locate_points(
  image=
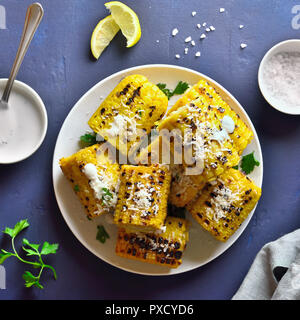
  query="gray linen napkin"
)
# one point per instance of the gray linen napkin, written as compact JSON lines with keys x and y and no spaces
{"x":275,"y":272}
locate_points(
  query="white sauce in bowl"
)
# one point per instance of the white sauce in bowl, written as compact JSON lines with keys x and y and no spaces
{"x":23,"y":125}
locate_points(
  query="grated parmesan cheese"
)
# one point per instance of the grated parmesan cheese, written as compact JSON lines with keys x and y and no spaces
{"x":122,"y":125}
{"x":222,"y":200}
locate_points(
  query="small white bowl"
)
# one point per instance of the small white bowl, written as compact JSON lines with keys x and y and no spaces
{"x":292,"y":45}
{"x":29,"y":109}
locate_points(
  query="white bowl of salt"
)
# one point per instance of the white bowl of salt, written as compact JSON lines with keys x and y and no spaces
{"x":279,"y":76}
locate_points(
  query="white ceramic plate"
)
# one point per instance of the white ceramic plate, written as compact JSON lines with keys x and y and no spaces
{"x":202,"y":247}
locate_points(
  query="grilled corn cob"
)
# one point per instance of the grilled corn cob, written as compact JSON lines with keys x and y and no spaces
{"x":163,"y":249}
{"x":129,"y":112}
{"x":224,"y":204}
{"x":142,"y":199}
{"x":241,"y":136}
{"x":205,"y":147}
{"x":94,"y":179}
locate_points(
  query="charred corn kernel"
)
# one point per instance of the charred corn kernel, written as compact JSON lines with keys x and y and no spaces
{"x":205,"y":148}
{"x":99,"y":196}
{"x":224,"y":204}
{"x":142,"y":199}
{"x":129,"y":112}
{"x":164,"y":249}
{"x":183,"y":190}
{"x":241,"y":136}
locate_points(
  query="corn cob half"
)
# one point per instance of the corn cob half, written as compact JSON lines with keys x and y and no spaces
{"x":225,"y":203}
{"x":241,"y":136}
{"x":205,"y":147}
{"x":129,"y":112}
{"x":164,"y":249}
{"x":142,"y":199}
{"x":94,"y":179}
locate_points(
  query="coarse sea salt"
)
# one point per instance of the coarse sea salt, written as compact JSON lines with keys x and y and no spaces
{"x":174,"y":32}
{"x":282,"y":78}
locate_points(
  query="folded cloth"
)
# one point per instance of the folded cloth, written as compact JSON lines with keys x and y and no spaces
{"x":275,"y":272}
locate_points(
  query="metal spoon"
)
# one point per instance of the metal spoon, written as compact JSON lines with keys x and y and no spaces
{"x":33,"y":18}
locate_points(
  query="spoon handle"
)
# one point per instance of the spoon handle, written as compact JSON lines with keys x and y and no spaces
{"x":33,"y":18}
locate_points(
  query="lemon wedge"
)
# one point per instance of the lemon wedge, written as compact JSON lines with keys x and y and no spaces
{"x":127,"y":20}
{"x":102,"y":35}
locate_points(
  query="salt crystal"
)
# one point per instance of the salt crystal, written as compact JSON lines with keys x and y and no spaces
{"x":198,"y":25}
{"x":203,"y":36}
{"x":174,"y":32}
{"x":194,"y":13}
{"x":222,"y":9}
{"x":177,"y":56}
{"x":241,"y":26}
{"x":243,"y":45}
{"x":188,"y":39}
{"x":204,"y":24}
{"x":186,"y":50}
{"x":193,"y":43}
{"x":212,"y":28}
{"x":198,"y":54}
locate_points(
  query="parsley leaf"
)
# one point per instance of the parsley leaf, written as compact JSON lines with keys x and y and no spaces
{"x":76,"y":188}
{"x":4,"y":255}
{"x":49,"y":248}
{"x":102,"y":235}
{"x":31,"y":280}
{"x":21,"y":225}
{"x":180,"y":89}
{"x":107,"y":195}
{"x":31,"y":249}
{"x":107,"y":192}
{"x":163,"y":88}
{"x":236,"y":167}
{"x":248,"y":163}
{"x":88,"y":139}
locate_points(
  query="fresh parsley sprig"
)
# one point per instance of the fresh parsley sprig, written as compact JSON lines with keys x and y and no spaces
{"x":88,"y":139}
{"x":31,"y":249}
{"x":102,"y":235}
{"x":248,"y":163}
{"x":180,"y":89}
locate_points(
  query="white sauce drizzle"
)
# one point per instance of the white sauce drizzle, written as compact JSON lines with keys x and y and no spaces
{"x":100,"y":185}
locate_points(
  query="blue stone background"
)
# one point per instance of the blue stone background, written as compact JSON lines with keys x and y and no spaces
{"x":60,"y":68}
